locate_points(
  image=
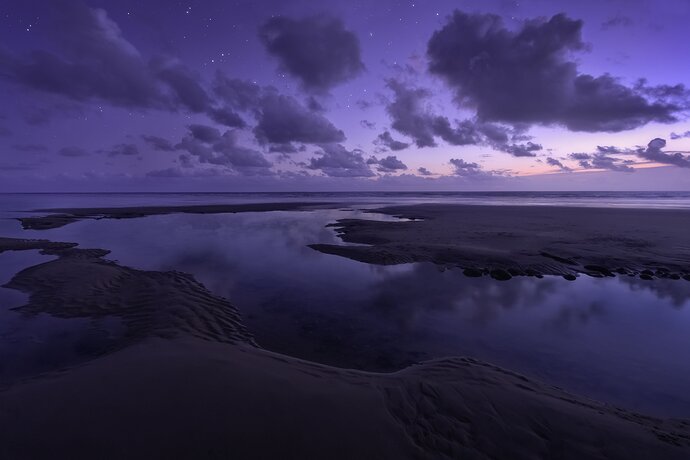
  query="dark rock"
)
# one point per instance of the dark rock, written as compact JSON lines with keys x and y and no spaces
{"x":500,"y":274}
{"x":598,"y":268}
{"x":645,"y":276}
{"x":472,"y":272}
{"x":570,"y":277}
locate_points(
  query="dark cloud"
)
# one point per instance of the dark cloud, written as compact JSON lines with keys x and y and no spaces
{"x":227,"y":117}
{"x":522,"y":150}
{"x":93,"y":61}
{"x":465,"y":169}
{"x":96,"y":62}
{"x":239,"y":94}
{"x":243,"y":159}
{"x":604,"y":157}
{"x":387,"y":140}
{"x":209,"y":146}
{"x":468,"y":170}
{"x":336,"y":161}
{"x":601,"y":160}
{"x":123,"y":150}
{"x":553,"y":162}
{"x":158,"y":143}
{"x":675,"y":136}
{"x":499,"y":135}
{"x":464,"y":132}
{"x":314,"y":105}
{"x":388,"y":164}
{"x":527,"y":76}
{"x":197,"y":148}
{"x":408,"y":114}
{"x":204,"y":133}
{"x":30,"y":148}
{"x":580,"y":156}
{"x":316,"y":50}
{"x":367,"y":124}
{"x":603,"y":104}
{"x":185,"y":160}
{"x":654,"y":153}
{"x":411,"y":116}
{"x":282,"y":119}
{"x":673,"y":94}
{"x":184,"y":85}
{"x":612,"y":150}
{"x":424,"y":172}
{"x":72,"y":152}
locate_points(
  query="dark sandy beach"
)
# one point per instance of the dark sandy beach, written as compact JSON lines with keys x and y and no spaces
{"x":505,"y":241}
{"x":187,"y":380}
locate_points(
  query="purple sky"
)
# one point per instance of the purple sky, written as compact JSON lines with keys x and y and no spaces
{"x":329,"y":95}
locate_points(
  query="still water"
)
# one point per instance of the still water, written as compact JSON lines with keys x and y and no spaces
{"x":622,"y":340}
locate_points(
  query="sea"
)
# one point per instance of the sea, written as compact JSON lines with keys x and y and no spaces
{"x":623,"y":341}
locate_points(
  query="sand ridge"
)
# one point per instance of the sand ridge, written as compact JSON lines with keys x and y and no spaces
{"x":80,"y":283}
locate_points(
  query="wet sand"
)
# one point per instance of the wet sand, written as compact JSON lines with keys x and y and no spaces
{"x":506,"y":241}
{"x":60,"y":217}
{"x":18,"y":244}
{"x":187,"y":380}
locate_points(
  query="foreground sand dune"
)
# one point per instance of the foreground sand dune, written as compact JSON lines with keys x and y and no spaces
{"x":188,"y":381}
{"x":190,"y":398}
